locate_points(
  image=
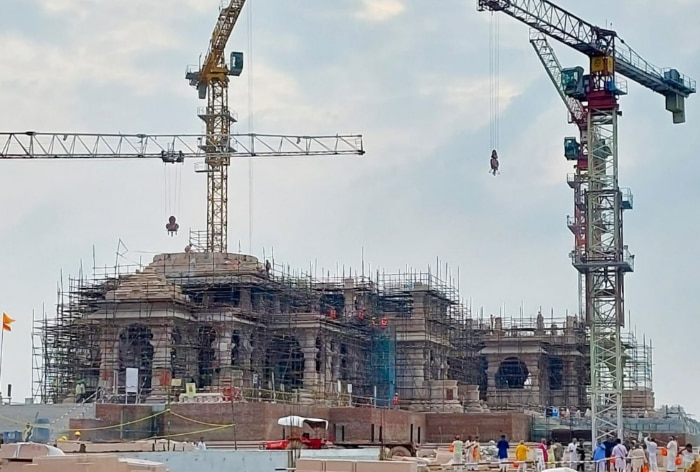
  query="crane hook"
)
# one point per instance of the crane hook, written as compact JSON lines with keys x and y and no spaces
{"x":172,"y":226}
{"x":494,"y":163}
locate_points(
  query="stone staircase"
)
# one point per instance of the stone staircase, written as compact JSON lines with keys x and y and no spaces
{"x":16,"y":417}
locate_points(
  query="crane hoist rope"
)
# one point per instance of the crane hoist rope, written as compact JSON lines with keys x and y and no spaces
{"x":251,"y":111}
{"x":494,"y":91}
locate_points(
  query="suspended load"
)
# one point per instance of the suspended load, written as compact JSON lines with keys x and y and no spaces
{"x":494,"y":162}
{"x":172,"y":226}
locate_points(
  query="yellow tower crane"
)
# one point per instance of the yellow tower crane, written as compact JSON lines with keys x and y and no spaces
{"x":216,"y":146}
{"x":211,"y":81}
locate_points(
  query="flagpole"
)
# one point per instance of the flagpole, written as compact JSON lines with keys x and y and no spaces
{"x":2,"y":349}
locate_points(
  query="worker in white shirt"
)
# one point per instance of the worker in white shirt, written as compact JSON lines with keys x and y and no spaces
{"x":637,"y":458}
{"x":571,"y":453}
{"x":652,"y":448}
{"x":672,"y":448}
{"x":688,"y":456}
{"x":457,"y":453}
{"x":619,"y":455}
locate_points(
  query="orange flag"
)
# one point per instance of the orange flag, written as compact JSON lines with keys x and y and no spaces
{"x":6,"y":322}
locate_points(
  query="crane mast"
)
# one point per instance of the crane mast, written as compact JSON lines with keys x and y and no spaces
{"x":211,"y":81}
{"x":600,"y":255}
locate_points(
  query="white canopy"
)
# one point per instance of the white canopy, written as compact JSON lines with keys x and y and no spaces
{"x":299,"y":422}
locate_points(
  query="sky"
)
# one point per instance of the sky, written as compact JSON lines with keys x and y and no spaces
{"x":413,"y":77}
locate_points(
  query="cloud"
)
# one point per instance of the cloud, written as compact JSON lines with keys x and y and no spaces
{"x":381,"y":10}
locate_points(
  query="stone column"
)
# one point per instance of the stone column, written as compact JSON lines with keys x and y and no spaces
{"x":223,"y":345}
{"x":242,"y":370}
{"x":246,"y":304}
{"x":161,"y":372}
{"x":494,"y":363}
{"x":335,"y":365}
{"x":570,"y":380}
{"x":328,"y":379}
{"x":109,"y":360}
{"x":308,"y":348}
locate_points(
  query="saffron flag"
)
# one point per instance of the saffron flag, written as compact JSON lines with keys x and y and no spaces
{"x":6,"y":322}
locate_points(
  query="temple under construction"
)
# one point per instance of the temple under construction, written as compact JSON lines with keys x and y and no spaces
{"x":232,"y":323}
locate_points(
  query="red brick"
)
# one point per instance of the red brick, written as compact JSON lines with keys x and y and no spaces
{"x":443,"y":427}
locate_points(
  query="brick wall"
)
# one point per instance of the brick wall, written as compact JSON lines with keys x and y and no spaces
{"x":443,"y":427}
{"x":255,"y":422}
{"x":362,"y":425}
{"x":258,"y":422}
{"x":135,"y":420}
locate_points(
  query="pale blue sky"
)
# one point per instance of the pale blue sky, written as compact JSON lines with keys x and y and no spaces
{"x":414,"y":78}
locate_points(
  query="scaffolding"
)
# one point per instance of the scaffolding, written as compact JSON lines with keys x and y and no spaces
{"x":533,"y":362}
{"x":256,"y":330}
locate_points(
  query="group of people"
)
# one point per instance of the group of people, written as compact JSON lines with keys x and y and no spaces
{"x":466,"y":452}
{"x":611,"y":455}
{"x":640,"y":456}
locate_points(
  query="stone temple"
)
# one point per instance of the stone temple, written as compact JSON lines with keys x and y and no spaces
{"x":234,"y":323}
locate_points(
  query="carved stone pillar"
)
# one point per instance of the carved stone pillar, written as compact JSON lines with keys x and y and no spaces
{"x":223,"y":346}
{"x":109,"y":362}
{"x":308,"y":348}
{"x":493,"y":365}
{"x":161,"y":372}
{"x":328,"y":379}
{"x":246,"y":302}
{"x":243,"y":362}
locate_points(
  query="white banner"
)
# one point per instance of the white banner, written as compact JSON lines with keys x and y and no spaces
{"x":132,"y":380}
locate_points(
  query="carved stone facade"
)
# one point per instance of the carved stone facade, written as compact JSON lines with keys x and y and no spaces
{"x":227,"y":322}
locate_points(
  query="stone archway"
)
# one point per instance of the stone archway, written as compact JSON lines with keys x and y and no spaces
{"x":136,"y":351}
{"x":285,"y":360}
{"x":512,"y":373}
{"x":206,"y":355}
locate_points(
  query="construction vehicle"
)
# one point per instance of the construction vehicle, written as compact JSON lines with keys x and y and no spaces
{"x":296,"y":438}
{"x":600,"y":255}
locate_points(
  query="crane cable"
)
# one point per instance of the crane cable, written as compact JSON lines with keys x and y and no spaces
{"x":250,"y":125}
{"x":172,"y":183}
{"x":494,"y":79}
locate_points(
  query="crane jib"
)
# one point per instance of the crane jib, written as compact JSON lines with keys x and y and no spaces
{"x":591,"y":40}
{"x":170,"y":148}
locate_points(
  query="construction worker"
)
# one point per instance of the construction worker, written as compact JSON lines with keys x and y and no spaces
{"x":494,"y":162}
{"x":27,"y":434}
{"x":77,"y":435}
{"x":80,"y":391}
